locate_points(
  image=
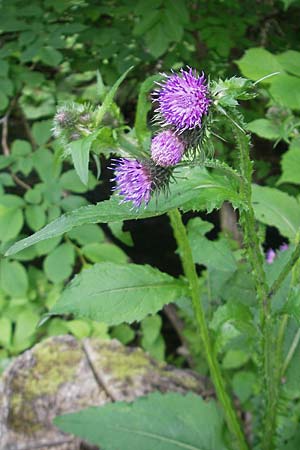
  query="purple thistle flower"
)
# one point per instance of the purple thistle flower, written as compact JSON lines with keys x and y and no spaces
{"x":167,"y":149}
{"x":183,"y":100}
{"x":133,"y":181}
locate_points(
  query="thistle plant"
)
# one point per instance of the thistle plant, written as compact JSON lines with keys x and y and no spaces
{"x":189,"y":109}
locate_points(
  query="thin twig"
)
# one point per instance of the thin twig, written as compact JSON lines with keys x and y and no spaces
{"x":98,"y":377}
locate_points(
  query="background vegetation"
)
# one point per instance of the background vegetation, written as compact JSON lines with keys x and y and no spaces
{"x":57,"y":51}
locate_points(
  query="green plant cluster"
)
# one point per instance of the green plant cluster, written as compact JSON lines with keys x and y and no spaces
{"x":78,"y":53}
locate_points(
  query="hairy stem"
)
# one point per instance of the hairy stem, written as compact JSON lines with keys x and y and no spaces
{"x":191,"y":274}
{"x":270,"y":381}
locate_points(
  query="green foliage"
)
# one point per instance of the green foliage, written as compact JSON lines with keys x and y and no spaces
{"x":290,"y":164}
{"x":277,"y":208}
{"x":76,"y":55}
{"x":183,"y":422}
{"x":118,"y":293}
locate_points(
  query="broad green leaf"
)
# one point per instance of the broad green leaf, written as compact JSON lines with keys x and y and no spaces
{"x":159,"y":421}
{"x":80,"y":152}
{"x":21,"y":148}
{"x":26,"y":324}
{"x":152,"y":340}
{"x":243,"y":384}
{"x":196,"y":189}
{"x":151,"y":327}
{"x":256,"y":63}
{"x":290,"y":164}
{"x":41,"y":131}
{"x":109,"y":98}
{"x":285,"y":89}
{"x":50,"y":56}
{"x":235,"y":359}
{"x":71,"y":182}
{"x":113,"y":293}
{"x":277,"y":209}
{"x":156,"y":40}
{"x":79,"y":328}
{"x":58,"y":265}
{"x":35,"y":216}
{"x":123,"y":332}
{"x":290,"y":61}
{"x":5,"y":331}
{"x":264,"y":128}
{"x":11,"y":222}
{"x":13,"y":276}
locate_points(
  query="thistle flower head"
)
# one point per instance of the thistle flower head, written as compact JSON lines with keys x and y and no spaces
{"x":183,"y":100}
{"x":167,"y":149}
{"x":137,"y":180}
{"x":69,"y":121}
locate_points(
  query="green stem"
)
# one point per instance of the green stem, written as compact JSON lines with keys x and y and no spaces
{"x":270,"y":385}
{"x":191,"y":274}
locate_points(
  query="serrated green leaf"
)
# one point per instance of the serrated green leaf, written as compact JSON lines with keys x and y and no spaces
{"x":165,"y":422}
{"x":114,"y":293}
{"x":277,"y":209}
{"x":196,"y":189}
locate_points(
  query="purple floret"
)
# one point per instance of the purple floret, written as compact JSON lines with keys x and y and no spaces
{"x":133,"y":181}
{"x":270,"y":256}
{"x":183,"y":100}
{"x":167,"y":149}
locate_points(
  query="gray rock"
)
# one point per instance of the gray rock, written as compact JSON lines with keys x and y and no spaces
{"x":62,"y":375}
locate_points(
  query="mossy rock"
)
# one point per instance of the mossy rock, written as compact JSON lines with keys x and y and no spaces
{"x":62,"y":375}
